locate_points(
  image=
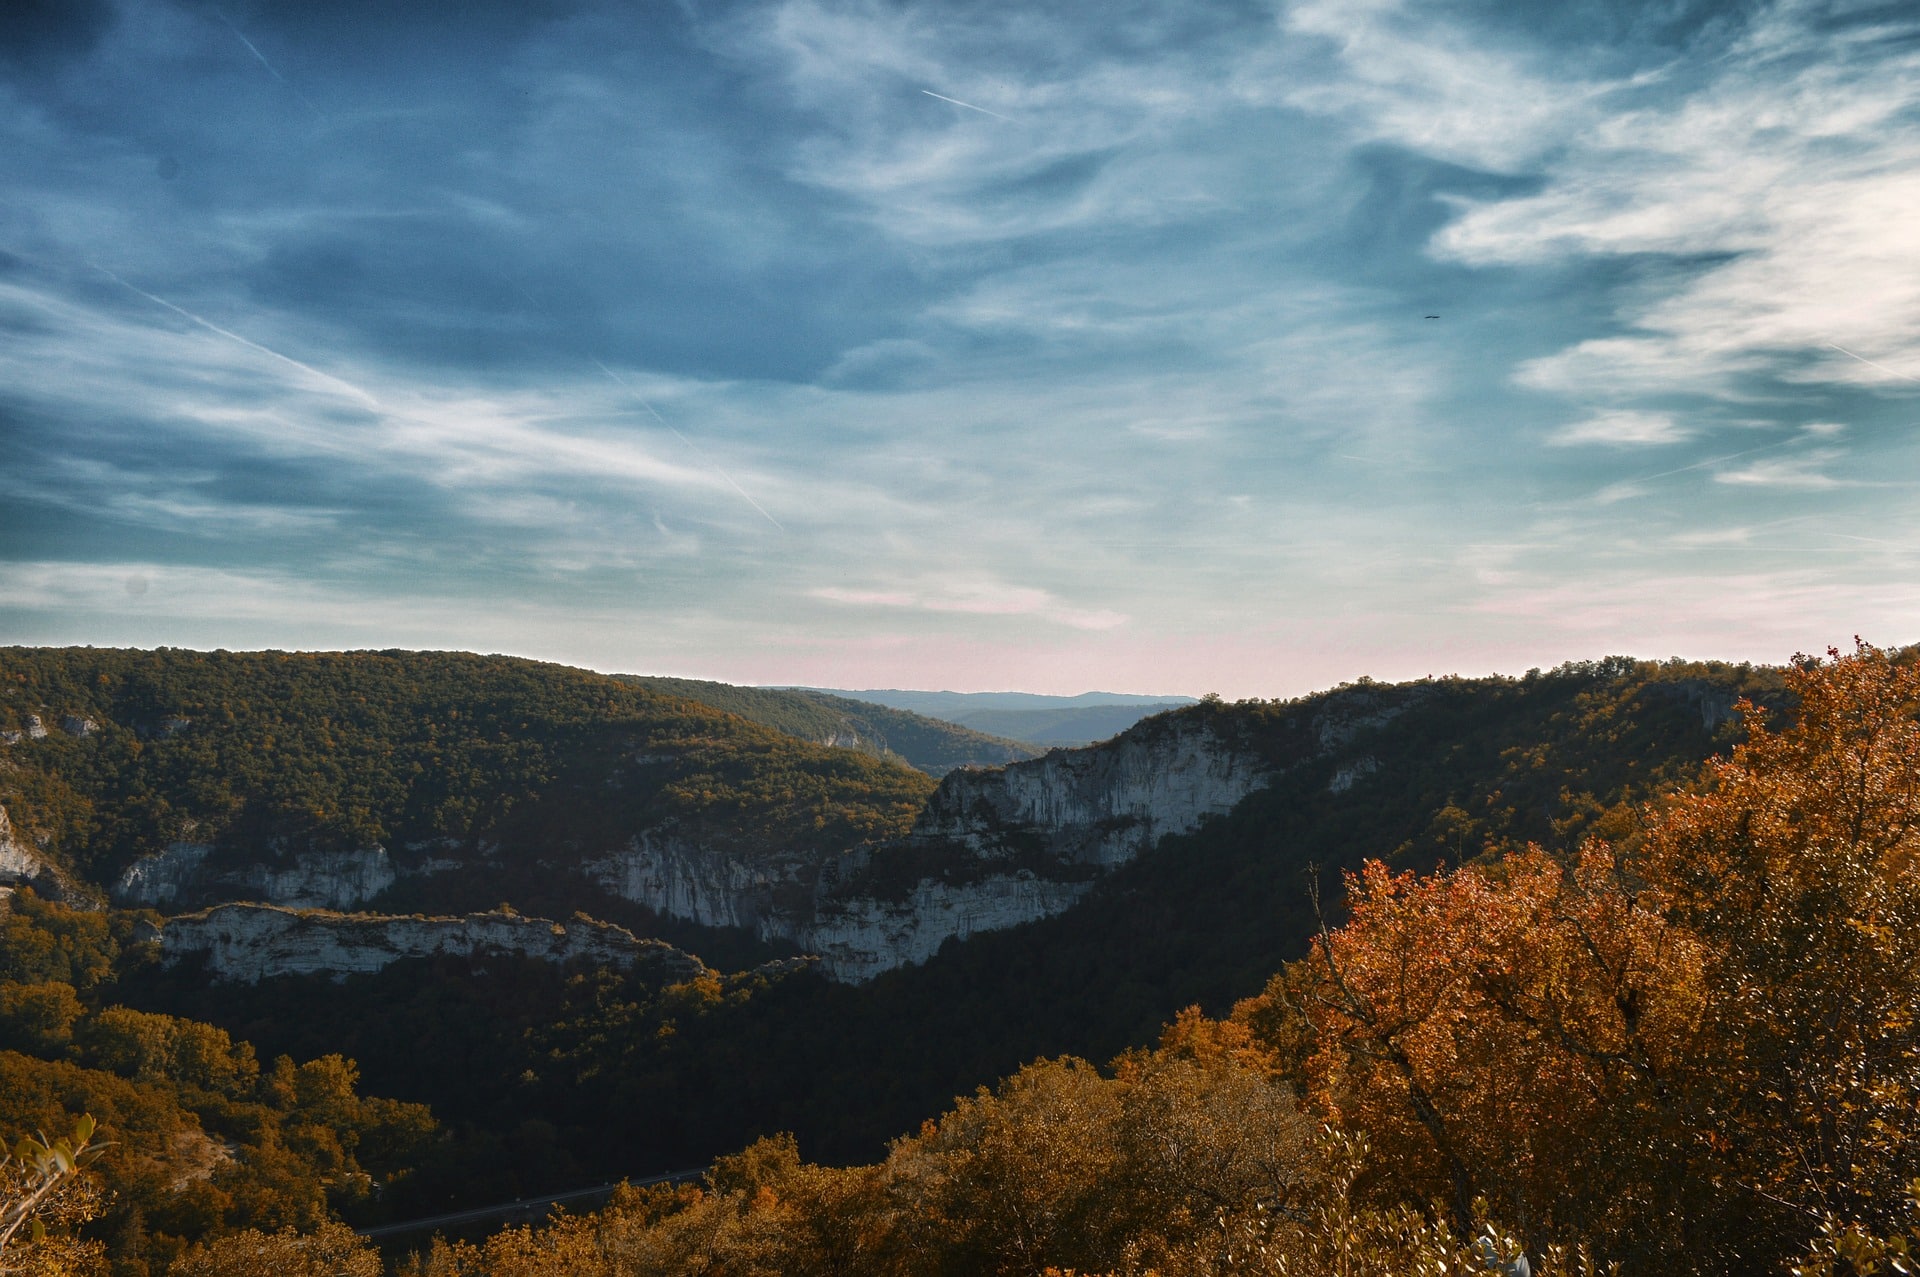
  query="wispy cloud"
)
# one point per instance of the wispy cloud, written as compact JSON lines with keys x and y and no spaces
{"x":1132,"y":378}
{"x":1622,"y":428}
{"x":1784,"y":172}
{"x":1806,"y":473}
{"x":1416,"y":79}
{"x":978,"y":598}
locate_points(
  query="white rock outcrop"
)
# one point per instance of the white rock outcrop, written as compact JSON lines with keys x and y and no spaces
{"x":247,"y":943}
{"x":1350,"y":774}
{"x":993,"y":849}
{"x":680,"y":879}
{"x":1103,"y":805}
{"x":859,"y":937}
{"x":18,"y":862}
{"x":24,"y":865}
{"x":185,"y":871}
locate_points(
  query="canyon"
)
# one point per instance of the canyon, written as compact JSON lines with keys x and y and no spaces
{"x":993,"y":848}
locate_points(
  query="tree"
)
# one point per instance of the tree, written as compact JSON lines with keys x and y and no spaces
{"x":330,"y":1250}
{"x":1690,"y":1049}
{"x":1798,"y":866}
{"x":43,"y":1184}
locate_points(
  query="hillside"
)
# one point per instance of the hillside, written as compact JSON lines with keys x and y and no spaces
{"x":1419,"y":774}
{"x":933,"y":746}
{"x":339,"y":776}
{"x":1686,"y":1048}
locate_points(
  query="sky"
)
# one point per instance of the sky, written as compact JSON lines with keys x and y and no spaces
{"x":1165,"y":347}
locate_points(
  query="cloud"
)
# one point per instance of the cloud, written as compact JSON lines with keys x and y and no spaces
{"x":1803,"y":473}
{"x":1621,"y":428}
{"x":1779,"y":183}
{"x":1430,"y":84}
{"x":978,"y":598}
{"x":1096,"y":122}
{"x":1134,"y":379}
{"x":1737,"y":615}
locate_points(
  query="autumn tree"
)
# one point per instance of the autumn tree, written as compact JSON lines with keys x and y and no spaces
{"x":45,"y":1194}
{"x":1690,"y":1049}
{"x":331,"y":1249}
{"x":1798,"y":867}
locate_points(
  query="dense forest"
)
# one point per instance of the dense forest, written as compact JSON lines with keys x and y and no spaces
{"x":119,"y":753}
{"x":1476,"y":764}
{"x":1578,"y":995}
{"x":205,"y":1138}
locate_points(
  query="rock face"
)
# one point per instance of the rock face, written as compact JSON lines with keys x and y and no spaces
{"x":1100,"y":806}
{"x":858,"y":936}
{"x":23,"y":865}
{"x":184,"y":873}
{"x":993,"y":849}
{"x":1352,"y":773}
{"x":248,"y":943}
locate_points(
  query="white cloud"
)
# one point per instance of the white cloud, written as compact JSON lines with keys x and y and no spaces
{"x":1790,"y":174}
{"x":1622,"y":428}
{"x":977,"y":597}
{"x":97,"y":360}
{"x":1803,"y":473}
{"x":1089,"y":139}
{"x":1415,"y":80}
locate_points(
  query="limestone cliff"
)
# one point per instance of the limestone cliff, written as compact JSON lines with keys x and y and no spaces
{"x":23,"y":865}
{"x":1099,"y":806}
{"x":859,"y":935}
{"x":186,"y":873}
{"x":993,"y":849}
{"x":247,"y":943}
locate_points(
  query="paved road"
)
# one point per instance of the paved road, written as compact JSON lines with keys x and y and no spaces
{"x":529,"y":1205}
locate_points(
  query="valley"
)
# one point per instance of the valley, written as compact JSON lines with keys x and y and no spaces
{"x":951,"y":930}
{"x":515,"y":928}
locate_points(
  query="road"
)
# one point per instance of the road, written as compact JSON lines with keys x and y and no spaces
{"x":529,"y":1205}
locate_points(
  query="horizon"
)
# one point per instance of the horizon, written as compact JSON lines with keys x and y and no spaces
{"x":1248,"y":348}
{"x":1360,"y":678}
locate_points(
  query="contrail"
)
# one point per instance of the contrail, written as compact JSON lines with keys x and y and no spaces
{"x":970,"y":106}
{"x":268,"y":65}
{"x":691,"y":445}
{"x":1863,"y":359}
{"x":212,"y":327}
{"x":1714,"y":461}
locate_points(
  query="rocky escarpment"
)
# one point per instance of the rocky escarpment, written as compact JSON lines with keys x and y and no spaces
{"x":22,"y":865}
{"x":246,"y":943}
{"x":188,"y":873}
{"x":1101,"y":806}
{"x":992,"y":849}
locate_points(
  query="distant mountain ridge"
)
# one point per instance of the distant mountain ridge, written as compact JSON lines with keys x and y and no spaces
{"x":1032,"y":717}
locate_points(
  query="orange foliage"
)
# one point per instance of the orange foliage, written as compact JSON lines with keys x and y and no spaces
{"x":1693,"y":1048}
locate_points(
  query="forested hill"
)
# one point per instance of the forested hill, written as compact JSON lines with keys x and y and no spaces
{"x":589,"y":1073}
{"x":111,"y":755}
{"x":1421,"y":774}
{"x":930,"y":744}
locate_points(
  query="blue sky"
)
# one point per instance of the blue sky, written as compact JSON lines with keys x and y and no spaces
{"x":964,"y":345}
